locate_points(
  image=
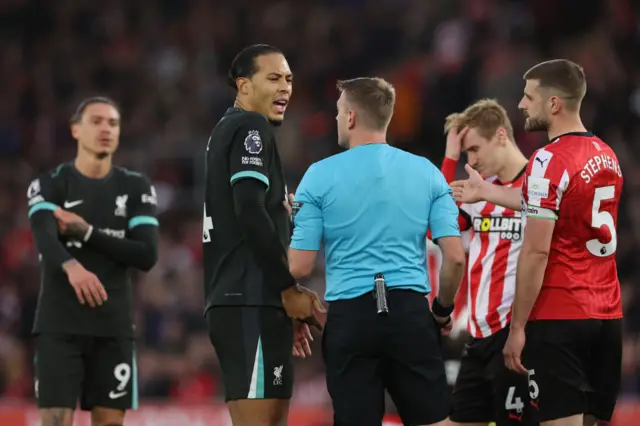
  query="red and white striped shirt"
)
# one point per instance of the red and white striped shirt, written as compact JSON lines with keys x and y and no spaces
{"x":496,"y":239}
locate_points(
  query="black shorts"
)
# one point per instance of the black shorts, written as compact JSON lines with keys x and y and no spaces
{"x":254,"y":346}
{"x":97,"y":371}
{"x":575,"y":367}
{"x":485,"y":390}
{"x":365,"y":353}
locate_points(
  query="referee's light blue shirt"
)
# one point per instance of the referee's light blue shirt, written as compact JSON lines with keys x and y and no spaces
{"x":371,"y":206}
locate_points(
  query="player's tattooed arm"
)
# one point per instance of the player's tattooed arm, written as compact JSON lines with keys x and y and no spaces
{"x":72,"y":225}
{"x":140,"y":251}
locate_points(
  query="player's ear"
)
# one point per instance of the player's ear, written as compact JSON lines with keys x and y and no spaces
{"x":555,"y":103}
{"x":351,"y":119}
{"x":75,"y":130}
{"x":244,"y":85}
{"x":502,"y":136}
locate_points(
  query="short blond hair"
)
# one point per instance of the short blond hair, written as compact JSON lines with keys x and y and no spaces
{"x":486,"y":116}
{"x":374,"y":96}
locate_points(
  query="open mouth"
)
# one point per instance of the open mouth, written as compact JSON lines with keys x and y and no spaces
{"x":281,"y":105}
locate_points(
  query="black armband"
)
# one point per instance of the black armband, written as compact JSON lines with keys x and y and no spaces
{"x":440,"y":310}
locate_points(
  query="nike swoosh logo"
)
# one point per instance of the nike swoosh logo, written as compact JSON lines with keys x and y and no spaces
{"x":69,"y":204}
{"x":114,"y":395}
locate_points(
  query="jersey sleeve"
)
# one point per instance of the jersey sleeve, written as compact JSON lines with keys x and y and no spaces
{"x":251,"y":149}
{"x":41,"y":195}
{"x":144,"y":203}
{"x":443,"y":211}
{"x":448,"y":170}
{"x":43,"y":201}
{"x":307,"y":213}
{"x":545,"y":181}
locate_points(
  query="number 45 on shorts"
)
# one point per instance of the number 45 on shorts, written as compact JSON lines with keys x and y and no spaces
{"x":514,"y":403}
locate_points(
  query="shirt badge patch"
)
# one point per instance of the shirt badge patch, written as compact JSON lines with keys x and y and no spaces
{"x":253,"y":143}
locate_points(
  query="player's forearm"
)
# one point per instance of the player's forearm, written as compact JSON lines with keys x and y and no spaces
{"x":510,"y":198}
{"x":259,"y":231}
{"x":448,"y":169}
{"x":140,"y":251}
{"x":450,"y":278}
{"x":529,"y":277}
{"x":452,"y":269}
{"x":45,"y":235}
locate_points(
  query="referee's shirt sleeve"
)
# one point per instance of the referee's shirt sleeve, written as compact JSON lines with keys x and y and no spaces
{"x":443,"y":211}
{"x":251,"y":149}
{"x":307,"y":213}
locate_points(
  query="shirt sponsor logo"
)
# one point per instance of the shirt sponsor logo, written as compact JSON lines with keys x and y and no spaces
{"x":509,"y":228}
{"x":117,"y":233}
{"x":150,"y":198}
{"x":253,"y":143}
{"x":252,"y":161}
{"x":537,"y":187}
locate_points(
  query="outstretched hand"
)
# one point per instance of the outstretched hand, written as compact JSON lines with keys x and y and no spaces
{"x":469,"y":190}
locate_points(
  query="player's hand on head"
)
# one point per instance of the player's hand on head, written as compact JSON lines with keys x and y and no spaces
{"x":302,"y":339}
{"x":303,"y":305}
{"x":454,"y":143}
{"x":469,"y":190}
{"x":512,"y":351}
{"x":86,"y":285}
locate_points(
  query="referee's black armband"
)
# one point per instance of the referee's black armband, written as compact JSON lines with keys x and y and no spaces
{"x":45,"y":236}
{"x":440,"y":310}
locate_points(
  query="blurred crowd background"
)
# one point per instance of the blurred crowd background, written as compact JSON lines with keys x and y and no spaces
{"x":165,"y":62}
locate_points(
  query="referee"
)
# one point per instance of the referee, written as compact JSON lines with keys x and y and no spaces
{"x":371,"y":206}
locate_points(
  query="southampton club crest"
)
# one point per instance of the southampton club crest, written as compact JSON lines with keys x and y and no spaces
{"x":253,"y":143}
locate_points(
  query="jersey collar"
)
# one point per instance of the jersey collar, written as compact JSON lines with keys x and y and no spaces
{"x":509,"y":182}
{"x":583,"y":134}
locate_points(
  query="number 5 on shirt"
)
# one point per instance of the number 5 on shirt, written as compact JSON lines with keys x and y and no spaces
{"x":603,"y":218}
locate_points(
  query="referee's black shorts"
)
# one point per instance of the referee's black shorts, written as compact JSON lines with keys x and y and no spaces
{"x":254,"y":345}
{"x":365,"y":353}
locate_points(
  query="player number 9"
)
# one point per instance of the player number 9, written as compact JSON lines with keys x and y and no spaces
{"x":122,"y":373}
{"x":600,"y":219}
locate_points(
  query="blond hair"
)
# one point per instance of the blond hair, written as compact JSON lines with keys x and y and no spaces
{"x":486,"y":116}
